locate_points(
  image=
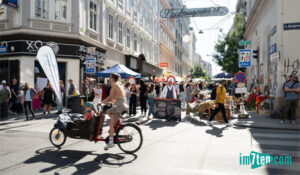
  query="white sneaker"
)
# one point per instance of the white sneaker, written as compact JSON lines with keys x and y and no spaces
{"x":210,"y":123}
{"x":281,"y":121}
{"x":229,"y":124}
{"x":109,"y":145}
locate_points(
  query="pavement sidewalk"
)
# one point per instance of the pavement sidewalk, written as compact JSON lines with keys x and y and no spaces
{"x":256,"y":120}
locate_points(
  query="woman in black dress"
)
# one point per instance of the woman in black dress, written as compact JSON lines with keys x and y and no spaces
{"x":47,"y":98}
{"x":132,"y":102}
{"x":143,"y":97}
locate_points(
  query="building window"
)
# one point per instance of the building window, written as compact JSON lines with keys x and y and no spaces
{"x":60,"y":10}
{"x":128,"y":37}
{"x":110,"y":26}
{"x":120,"y":33}
{"x":41,"y":9}
{"x":135,"y":42}
{"x":141,"y":45}
{"x":120,"y":4}
{"x":134,"y":11}
{"x":128,"y":6}
{"x":93,"y":16}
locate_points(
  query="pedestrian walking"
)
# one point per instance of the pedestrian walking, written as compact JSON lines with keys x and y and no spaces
{"x":4,"y":99}
{"x":98,"y":94}
{"x":71,"y":92}
{"x":291,"y":95}
{"x":47,"y":98}
{"x":27,"y":99}
{"x":36,"y":99}
{"x":14,"y":95}
{"x":151,"y":95}
{"x":190,"y":93}
{"x":132,"y":104}
{"x":220,"y":100}
{"x":158,"y":89}
{"x":182,"y":94}
{"x":143,"y":98}
{"x":127,"y":92}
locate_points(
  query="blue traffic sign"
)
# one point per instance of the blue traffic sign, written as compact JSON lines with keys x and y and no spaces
{"x":3,"y":49}
{"x":90,"y":65}
{"x":245,"y":57}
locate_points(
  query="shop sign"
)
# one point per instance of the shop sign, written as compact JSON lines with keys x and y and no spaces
{"x":291,"y":26}
{"x":3,"y":49}
{"x":193,"y":12}
{"x":244,"y":57}
{"x":275,"y":56}
{"x":90,"y":65}
{"x":164,"y":64}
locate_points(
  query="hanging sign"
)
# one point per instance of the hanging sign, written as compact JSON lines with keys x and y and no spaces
{"x":193,"y":12}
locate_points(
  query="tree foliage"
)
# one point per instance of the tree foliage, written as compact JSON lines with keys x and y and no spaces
{"x":198,"y":72}
{"x":227,"y":47}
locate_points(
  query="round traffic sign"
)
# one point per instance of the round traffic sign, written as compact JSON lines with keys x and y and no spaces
{"x":172,"y":79}
{"x":131,"y":80}
{"x":240,"y":77}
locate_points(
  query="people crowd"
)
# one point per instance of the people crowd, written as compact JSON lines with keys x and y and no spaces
{"x":15,"y":99}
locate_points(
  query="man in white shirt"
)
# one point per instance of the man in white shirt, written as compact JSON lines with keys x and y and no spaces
{"x":169,"y":91}
{"x":1,"y":86}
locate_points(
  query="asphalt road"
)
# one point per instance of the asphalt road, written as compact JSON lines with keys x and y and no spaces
{"x":185,"y":148}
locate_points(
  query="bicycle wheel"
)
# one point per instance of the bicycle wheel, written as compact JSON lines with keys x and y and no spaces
{"x":57,"y":137}
{"x":130,"y":138}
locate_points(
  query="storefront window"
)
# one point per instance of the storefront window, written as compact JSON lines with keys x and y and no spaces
{"x":41,"y":9}
{"x":9,"y":70}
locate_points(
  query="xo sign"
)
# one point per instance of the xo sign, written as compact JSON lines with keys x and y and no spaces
{"x":240,"y":77}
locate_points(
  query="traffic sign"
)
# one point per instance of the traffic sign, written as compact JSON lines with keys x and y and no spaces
{"x":172,"y":79}
{"x":90,"y":65}
{"x":241,"y":85}
{"x":244,"y":57}
{"x":240,"y":77}
{"x":131,"y":80}
{"x":242,"y":43}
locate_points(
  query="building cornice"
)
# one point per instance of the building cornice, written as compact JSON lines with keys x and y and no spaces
{"x":253,"y":18}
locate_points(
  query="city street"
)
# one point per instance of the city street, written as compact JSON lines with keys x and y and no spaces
{"x":188,"y":147}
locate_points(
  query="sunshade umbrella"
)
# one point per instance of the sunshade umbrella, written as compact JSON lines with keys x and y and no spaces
{"x":223,"y":75}
{"x":120,"y":69}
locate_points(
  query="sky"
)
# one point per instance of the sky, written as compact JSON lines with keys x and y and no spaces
{"x":205,"y":42}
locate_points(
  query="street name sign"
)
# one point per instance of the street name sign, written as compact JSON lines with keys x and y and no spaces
{"x":193,"y":12}
{"x":243,"y":43}
{"x":244,"y":57}
{"x":291,"y":26}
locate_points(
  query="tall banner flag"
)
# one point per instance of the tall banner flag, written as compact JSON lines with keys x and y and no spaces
{"x":48,"y":62}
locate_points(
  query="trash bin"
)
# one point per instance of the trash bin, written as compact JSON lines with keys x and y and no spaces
{"x":78,"y":104}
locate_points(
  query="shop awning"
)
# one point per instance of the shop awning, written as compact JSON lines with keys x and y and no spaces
{"x":120,"y":69}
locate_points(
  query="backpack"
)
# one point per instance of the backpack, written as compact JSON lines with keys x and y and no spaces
{"x":213,"y":94}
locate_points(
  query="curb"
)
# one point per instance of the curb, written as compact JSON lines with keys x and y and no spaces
{"x":263,"y":127}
